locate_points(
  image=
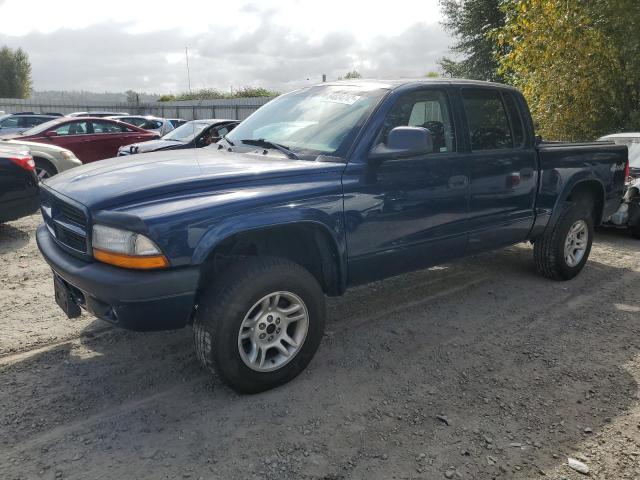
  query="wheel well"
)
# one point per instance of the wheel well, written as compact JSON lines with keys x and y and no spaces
{"x":46,"y":162}
{"x":305,"y":244}
{"x":589,"y":191}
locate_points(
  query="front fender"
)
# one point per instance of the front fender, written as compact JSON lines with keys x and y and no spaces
{"x":331,"y":223}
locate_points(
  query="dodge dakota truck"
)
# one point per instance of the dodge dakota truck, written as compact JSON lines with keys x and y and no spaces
{"x":320,"y":189}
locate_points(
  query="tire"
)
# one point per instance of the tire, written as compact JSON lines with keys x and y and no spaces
{"x":549,"y":249}
{"x":236,"y":299}
{"x":44,"y":169}
{"x":635,"y":231}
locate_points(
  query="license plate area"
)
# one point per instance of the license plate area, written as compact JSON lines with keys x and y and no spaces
{"x":64,"y":298}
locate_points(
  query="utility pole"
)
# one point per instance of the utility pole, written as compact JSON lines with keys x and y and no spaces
{"x":186,"y":54}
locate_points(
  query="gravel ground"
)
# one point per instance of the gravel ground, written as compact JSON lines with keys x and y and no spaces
{"x":477,"y":369}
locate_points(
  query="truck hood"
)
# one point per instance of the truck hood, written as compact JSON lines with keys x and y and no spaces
{"x":123,"y":181}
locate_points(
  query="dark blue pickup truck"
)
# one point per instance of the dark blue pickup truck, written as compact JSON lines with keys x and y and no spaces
{"x":321,"y":189}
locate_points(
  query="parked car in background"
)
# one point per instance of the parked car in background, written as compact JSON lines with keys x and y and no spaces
{"x":89,"y":138}
{"x":99,"y":114}
{"x":18,"y":183}
{"x":49,"y":159}
{"x":245,"y":239}
{"x":18,"y":123}
{"x":161,"y":126}
{"x":628,"y":215}
{"x":176,"y":122}
{"x":193,"y":134}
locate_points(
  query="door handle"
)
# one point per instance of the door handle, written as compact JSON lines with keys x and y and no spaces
{"x":458,"y":181}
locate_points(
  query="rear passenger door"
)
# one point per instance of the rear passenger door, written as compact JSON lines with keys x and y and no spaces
{"x":503,"y":175}
{"x":106,"y":137}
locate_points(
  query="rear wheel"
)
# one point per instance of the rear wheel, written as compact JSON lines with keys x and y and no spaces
{"x":562,"y":252}
{"x":259,"y":325}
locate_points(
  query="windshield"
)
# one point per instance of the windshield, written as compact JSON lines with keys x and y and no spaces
{"x":315,"y":120}
{"x":187,"y":132}
{"x":42,"y":127}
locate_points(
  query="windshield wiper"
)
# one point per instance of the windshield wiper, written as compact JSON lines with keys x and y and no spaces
{"x":224,"y":137}
{"x":261,"y":142}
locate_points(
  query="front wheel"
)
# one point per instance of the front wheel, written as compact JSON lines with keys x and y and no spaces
{"x":44,"y":169}
{"x":562,"y":252}
{"x":259,"y":325}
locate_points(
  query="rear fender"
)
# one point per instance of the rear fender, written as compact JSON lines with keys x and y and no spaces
{"x":579,"y":180}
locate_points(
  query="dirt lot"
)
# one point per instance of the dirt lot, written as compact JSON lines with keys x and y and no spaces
{"x":522,"y":371}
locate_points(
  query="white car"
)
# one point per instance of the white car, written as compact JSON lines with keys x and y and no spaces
{"x":49,"y":159}
{"x":161,"y":126}
{"x":629,"y":212}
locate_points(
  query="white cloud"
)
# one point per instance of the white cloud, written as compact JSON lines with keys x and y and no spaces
{"x":276,"y":44}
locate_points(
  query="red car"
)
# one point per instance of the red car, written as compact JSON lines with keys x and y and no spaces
{"x":90,"y":138}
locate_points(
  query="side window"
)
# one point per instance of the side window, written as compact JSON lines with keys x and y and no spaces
{"x":428,"y":109}
{"x":106,"y":127}
{"x":138,"y":122}
{"x":73,"y":128}
{"x":220,"y":132}
{"x":33,"y":121}
{"x":487,"y":119}
{"x":516,"y":119}
{"x":151,"y":125}
{"x":11,"y":122}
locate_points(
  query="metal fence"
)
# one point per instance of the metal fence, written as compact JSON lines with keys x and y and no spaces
{"x":233,"y":108}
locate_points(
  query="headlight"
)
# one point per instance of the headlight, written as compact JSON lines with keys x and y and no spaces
{"x":68,"y":155}
{"x":126,"y":249}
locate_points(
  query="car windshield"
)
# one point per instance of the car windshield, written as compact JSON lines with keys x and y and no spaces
{"x":187,"y":132}
{"x":315,"y":120}
{"x":42,"y":127}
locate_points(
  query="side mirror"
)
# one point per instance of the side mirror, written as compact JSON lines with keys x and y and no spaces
{"x":51,"y":133}
{"x":404,"y":142}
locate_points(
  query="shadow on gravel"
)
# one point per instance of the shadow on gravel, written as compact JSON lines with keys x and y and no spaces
{"x":11,"y":238}
{"x":517,"y":365}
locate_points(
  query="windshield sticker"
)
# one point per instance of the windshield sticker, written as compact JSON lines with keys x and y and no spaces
{"x":346,"y":98}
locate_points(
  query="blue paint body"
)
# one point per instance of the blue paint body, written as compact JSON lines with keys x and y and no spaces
{"x":383,"y":218}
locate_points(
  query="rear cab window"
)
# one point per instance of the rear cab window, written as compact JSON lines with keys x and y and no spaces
{"x":493,"y":124}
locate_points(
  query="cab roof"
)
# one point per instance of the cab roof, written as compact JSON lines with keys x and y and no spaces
{"x":400,"y":82}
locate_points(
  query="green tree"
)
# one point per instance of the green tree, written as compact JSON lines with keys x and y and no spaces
{"x":352,"y":74}
{"x":576,"y":62}
{"x":15,"y":73}
{"x":213,"y":94}
{"x":471,"y":22}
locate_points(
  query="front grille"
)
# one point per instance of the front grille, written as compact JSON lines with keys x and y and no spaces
{"x":71,"y":239}
{"x":67,"y":223}
{"x":73,"y":214}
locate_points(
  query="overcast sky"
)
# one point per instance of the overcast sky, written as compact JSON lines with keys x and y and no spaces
{"x":279,"y":44}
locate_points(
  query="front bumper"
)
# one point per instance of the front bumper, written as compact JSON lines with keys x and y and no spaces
{"x":136,"y":300}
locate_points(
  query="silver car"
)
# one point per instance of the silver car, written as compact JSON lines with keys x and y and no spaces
{"x":14,"y":123}
{"x":147,"y":122}
{"x":49,"y":159}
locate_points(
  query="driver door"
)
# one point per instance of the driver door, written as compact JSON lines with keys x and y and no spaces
{"x":403,"y":214}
